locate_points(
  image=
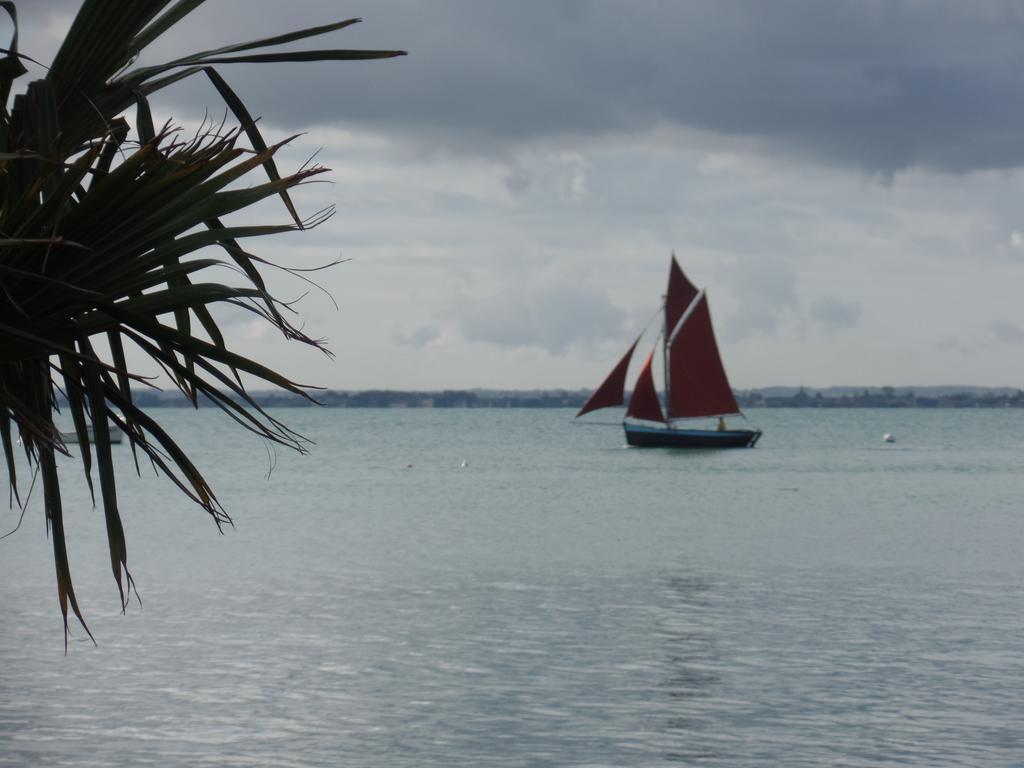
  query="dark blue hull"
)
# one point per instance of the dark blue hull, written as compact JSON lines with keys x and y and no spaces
{"x":663,"y":437}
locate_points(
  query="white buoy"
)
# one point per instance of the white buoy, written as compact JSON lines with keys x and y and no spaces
{"x":888,"y":438}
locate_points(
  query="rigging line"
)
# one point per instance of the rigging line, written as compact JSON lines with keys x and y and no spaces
{"x":657,"y":312}
{"x":650,"y":320}
{"x":744,"y":417}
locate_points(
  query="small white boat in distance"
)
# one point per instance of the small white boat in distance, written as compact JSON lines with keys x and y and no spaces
{"x":116,"y":435}
{"x":888,"y":437}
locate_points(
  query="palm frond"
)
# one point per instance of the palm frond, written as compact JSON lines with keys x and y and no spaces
{"x":109,"y":236}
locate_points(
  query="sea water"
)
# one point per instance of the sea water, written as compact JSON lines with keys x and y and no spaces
{"x":511,"y":588}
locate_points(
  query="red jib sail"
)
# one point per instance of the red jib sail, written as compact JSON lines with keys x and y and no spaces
{"x":699,"y":386}
{"x":644,"y":402}
{"x":613,"y":388}
{"x":680,"y":293}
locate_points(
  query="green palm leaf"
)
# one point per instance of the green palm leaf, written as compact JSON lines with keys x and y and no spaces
{"x":105,"y":235}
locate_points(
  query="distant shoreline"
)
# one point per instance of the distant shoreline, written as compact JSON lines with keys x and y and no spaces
{"x":768,"y":397}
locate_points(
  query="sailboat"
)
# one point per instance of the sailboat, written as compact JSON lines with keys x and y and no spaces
{"x":695,"y":382}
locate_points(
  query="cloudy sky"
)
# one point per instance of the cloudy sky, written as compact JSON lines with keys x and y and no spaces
{"x":844,"y":177}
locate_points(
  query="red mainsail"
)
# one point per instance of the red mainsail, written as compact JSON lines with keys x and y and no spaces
{"x":699,"y":386}
{"x":613,"y":388}
{"x":680,"y":293}
{"x":644,"y":402}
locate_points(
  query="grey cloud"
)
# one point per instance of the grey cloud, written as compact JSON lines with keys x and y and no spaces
{"x":881,"y":86}
{"x":518,"y":181}
{"x":1007,"y":332}
{"x":420,"y":337}
{"x":956,"y":346}
{"x":765,"y":287}
{"x":835,"y":314}
{"x":552,"y":318}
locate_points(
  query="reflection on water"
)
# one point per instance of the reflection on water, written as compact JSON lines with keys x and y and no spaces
{"x":687,"y":633}
{"x":688,"y":638}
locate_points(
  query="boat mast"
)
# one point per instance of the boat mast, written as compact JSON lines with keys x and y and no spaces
{"x":664,"y":351}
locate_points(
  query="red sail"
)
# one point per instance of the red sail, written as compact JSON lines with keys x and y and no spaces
{"x":613,"y":388}
{"x":697,"y":378}
{"x":644,"y":402}
{"x":680,"y":293}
